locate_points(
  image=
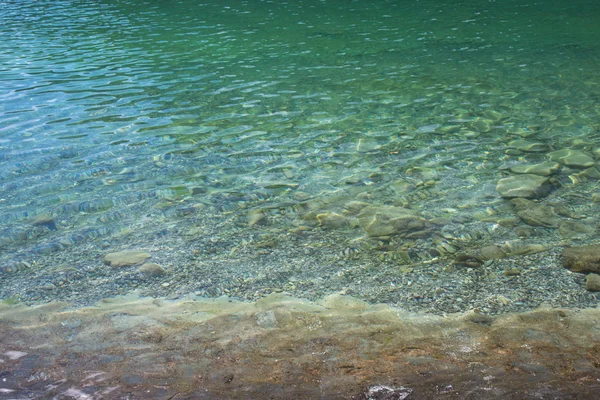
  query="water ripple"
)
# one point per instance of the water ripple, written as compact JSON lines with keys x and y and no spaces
{"x":109,"y":104}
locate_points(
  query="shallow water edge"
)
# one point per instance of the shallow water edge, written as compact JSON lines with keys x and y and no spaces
{"x":282,"y":347}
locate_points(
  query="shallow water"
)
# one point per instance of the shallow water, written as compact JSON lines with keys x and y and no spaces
{"x":242,"y":128}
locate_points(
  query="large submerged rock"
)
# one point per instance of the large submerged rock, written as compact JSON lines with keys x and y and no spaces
{"x":544,"y":169}
{"x":535,"y":214}
{"x":582,"y":259}
{"x":572,"y":158}
{"x":380,"y":221}
{"x":126,"y":258}
{"x":529,"y":186}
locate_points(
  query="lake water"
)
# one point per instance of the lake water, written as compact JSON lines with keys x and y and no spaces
{"x":433,"y":156}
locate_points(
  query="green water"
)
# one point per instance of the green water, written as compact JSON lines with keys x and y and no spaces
{"x":228,"y":139}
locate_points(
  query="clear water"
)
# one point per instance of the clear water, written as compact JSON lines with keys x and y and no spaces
{"x":167,"y":125}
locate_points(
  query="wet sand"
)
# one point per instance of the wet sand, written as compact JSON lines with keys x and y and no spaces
{"x":280,"y":347}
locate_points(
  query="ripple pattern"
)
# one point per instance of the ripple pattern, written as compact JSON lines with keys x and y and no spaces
{"x":109,"y":109}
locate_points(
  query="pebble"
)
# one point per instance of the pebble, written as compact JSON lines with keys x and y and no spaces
{"x":401,"y":186}
{"x":524,"y":231}
{"x":544,"y":169}
{"x":527,"y":146}
{"x":572,"y":158}
{"x":44,"y":220}
{"x":592,"y":283}
{"x":281,"y":185}
{"x":300,"y":196}
{"x":152,"y":269}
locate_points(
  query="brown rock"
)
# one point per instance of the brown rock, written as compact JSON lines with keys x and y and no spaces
{"x":512,"y":272}
{"x":492,"y":252}
{"x":126,"y":258}
{"x":535,"y":214}
{"x":332,"y":220}
{"x":525,"y":231}
{"x":388,"y":220}
{"x":152,"y":269}
{"x":518,"y":248}
{"x":353,"y":207}
{"x":573,"y":229}
{"x":582,"y":259}
{"x":468,"y":260}
{"x":592,"y":283}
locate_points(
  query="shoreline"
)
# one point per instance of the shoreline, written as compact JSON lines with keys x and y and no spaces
{"x":335,"y":348}
{"x":247,"y":271}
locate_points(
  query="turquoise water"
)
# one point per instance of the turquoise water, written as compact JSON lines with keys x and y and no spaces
{"x":214,"y":134}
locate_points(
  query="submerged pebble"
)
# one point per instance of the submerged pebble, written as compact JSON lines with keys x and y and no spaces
{"x":592,"y":283}
{"x":126,"y":258}
{"x":152,"y":269}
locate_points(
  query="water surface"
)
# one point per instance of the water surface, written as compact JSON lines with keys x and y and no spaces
{"x":229,"y":139}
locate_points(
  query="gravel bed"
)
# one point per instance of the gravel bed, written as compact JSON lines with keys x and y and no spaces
{"x":213,"y":254}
